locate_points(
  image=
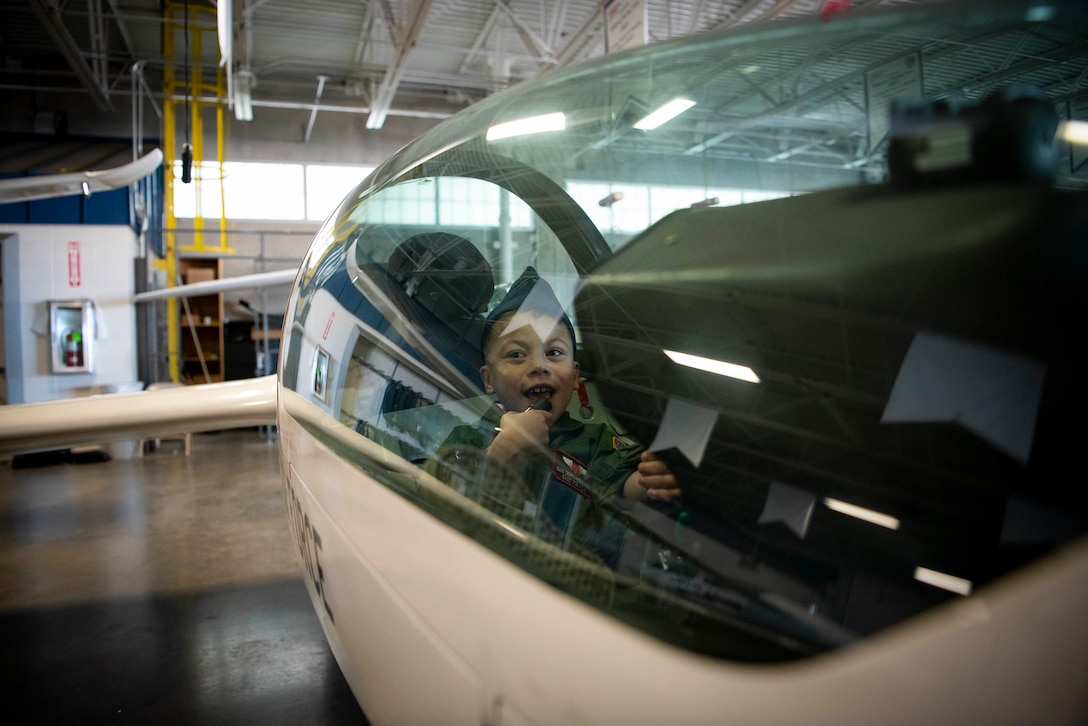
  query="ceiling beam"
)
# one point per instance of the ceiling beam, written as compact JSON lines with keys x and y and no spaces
{"x":383,"y":98}
{"x":313,"y":112}
{"x":559,"y":15}
{"x":481,"y":37}
{"x":390,"y":21}
{"x":532,"y":43}
{"x":96,"y":23}
{"x":49,"y":14}
{"x":590,"y":34}
{"x":122,"y":27}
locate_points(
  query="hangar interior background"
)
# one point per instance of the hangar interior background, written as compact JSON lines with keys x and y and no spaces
{"x":90,"y":86}
{"x":325,"y":84}
{"x":329,"y":91}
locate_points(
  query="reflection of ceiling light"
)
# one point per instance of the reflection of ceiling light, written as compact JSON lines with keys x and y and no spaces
{"x":951,"y":583}
{"x":669,"y":111}
{"x":868,"y":515}
{"x":1039,"y":15}
{"x":720,"y":367}
{"x":532,"y":125}
{"x":1073,"y":132}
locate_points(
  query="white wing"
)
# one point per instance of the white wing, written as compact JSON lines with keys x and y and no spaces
{"x":98,"y":419}
{"x":47,"y":186}
{"x":242,"y":282}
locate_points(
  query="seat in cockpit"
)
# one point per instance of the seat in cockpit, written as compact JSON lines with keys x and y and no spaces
{"x":441,"y":283}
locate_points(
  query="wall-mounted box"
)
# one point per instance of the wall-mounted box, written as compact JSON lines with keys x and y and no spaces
{"x":71,"y":335}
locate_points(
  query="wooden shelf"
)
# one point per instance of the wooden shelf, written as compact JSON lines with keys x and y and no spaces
{"x":205,"y":320}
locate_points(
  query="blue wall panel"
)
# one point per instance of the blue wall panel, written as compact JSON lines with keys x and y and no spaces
{"x":106,"y":207}
{"x":13,"y":212}
{"x":61,"y":210}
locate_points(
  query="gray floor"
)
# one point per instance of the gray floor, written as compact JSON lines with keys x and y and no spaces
{"x":159,"y":590}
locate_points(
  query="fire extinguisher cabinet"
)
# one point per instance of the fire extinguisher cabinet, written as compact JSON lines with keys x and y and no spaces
{"x":71,"y":335}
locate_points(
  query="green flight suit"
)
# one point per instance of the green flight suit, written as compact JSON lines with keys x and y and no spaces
{"x":562,"y":496}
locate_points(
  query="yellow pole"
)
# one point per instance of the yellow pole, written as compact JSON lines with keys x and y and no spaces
{"x":220,"y":127}
{"x":203,"y":90}
{"x":198,"y":134}
{"x":195,"y":89}
{"x":169,"y":150}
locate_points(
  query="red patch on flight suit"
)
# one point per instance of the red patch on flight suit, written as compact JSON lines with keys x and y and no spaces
{"x":569,"y":471}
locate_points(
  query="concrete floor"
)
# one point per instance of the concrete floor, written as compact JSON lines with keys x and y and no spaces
{"x":160,"y":590}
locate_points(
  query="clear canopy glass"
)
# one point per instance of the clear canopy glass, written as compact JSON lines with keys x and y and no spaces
{"x":839,"y":291}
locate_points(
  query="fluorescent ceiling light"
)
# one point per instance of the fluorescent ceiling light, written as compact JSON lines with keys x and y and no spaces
{"x":532,"y":125}
{"x":742,"y":373}
{"x":951,"y":583}
{"x":1074,"y":132}
{"x":669,"y":111}
{"x":243,"y":107}
{"x":243,"y":102}
{"x":868,"y":515}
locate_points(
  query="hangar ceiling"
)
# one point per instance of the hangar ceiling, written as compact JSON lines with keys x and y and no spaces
{"x":381,"y":58}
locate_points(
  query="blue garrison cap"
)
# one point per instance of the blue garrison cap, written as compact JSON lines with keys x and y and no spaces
{"x":530,"y":293}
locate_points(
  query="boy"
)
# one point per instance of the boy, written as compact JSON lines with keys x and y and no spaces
{"x":532,"y":457}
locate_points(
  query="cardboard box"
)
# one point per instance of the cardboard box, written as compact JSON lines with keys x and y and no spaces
{"x":199,"y":274}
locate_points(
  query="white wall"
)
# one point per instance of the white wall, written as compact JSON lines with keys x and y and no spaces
{"x":36,"y":270}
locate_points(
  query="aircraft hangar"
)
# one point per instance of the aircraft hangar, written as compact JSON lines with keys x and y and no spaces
{"x":153,"y":579}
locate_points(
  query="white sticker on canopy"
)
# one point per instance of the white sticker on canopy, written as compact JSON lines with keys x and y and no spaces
{"x":791,"y":506}
{"x":686,"y":427}
{"x":993,"y":393}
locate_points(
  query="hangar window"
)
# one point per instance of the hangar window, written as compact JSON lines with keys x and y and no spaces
{"x":618,"y":207}
{"x":263,"y":191}
{"x":448,"y":202}
{"x":327,"y":185}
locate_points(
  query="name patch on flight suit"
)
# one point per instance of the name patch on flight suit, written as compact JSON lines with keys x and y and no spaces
{"x":571,"y":472}
{"x":618,"y":443}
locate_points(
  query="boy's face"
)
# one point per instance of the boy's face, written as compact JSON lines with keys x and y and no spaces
{"x":521,"y":368}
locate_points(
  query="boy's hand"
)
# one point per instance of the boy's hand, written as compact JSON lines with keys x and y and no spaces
{"x":519,"y":434}
{"x":653,"y":480}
